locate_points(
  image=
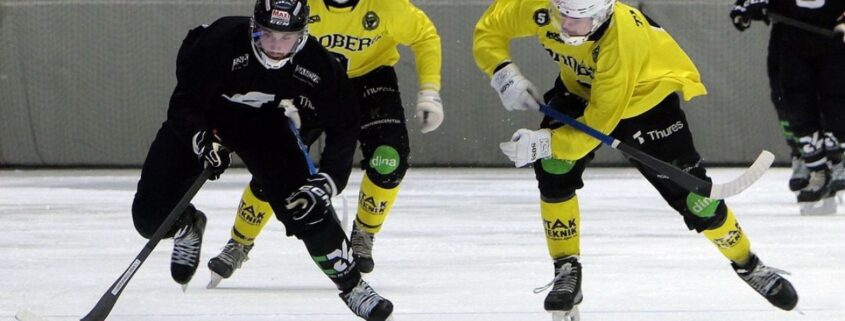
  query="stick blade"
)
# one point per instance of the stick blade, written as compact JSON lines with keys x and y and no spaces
{"x":744,"y":181}
{"x":25,"y":314}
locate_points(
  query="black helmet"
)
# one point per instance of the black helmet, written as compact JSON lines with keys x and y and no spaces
{"x":281,"y":15}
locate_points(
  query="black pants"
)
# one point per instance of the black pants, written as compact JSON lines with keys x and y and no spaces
{"x":384,"y":129}
{"x":773,"y":70}
{"x":268,"y":148}
{"x":662,"y":132}
{"x":811,"y":74}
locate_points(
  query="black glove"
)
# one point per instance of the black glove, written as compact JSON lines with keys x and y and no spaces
{"x":745,"y":11}
{"x":211,"y":153}
{"x":311,"y":202}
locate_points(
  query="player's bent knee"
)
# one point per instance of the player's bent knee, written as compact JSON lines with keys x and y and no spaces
{"x":702,"y":213}
{"x":558,"y":180}
{"x":305,"y":225}
{"x":387,"y":166}
{"x":144,"y":222}
{"x":147,"y":217}
{"x":257,"y":190}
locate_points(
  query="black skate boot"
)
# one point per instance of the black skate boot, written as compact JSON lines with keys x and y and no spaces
{"x":186,"y":250}
{"x":565,"y":295}
{"x":815,"y":198}
{"x":800,"y":175}
{"x":362,"y":248}
{"x":366,"y":303}
{"x":768,"y":282}
{"x":222,"y":266}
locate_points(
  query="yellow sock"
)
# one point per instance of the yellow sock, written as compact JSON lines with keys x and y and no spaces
{"x":562,"y":222}
{"x":374,"y":203}
{"x":730,"y":240}
{"x":252,"y":215}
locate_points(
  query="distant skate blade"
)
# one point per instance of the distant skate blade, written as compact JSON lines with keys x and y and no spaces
{"x":571,"y":315}
{"x":215,"y":281}
{"x":27,"y":315}
{"x":826,"y":206}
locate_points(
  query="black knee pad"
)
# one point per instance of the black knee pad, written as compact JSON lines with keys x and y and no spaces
{"x":701,"y":213}
{"x":557,"y":180}
{"x":387,"y":166}
{"x":257,"y":190}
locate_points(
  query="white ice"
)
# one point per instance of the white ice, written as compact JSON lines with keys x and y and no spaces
{"x":460,"y":245}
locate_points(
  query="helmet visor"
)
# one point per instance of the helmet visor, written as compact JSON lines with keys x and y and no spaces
{"x":572,"y":26}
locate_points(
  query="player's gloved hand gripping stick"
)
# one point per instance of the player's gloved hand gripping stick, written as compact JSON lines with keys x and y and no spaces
{"x":684,"y":179}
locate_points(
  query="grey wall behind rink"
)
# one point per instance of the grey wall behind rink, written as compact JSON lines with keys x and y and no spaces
{"x":87,"y":82}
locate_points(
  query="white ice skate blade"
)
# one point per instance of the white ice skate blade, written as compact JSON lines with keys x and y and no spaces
{"x":826,"y":206}
{"x":27,"y":315}
{"x":215,"y":280}
{"x":571,"y":315}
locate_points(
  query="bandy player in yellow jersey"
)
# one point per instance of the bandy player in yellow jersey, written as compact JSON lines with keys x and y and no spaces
{"x":623,"y":74}
{"x":364,"y":33}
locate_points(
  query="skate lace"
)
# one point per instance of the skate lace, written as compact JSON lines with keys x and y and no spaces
{"x":564,"y":280}
{"x":233,"y":254}
{"x":186,"y":246}
{"x":762,"y":278}
{"x":362,"y":299}
{"x":362,"y":242}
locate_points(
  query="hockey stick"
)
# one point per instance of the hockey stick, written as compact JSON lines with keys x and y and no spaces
{"x":676,"y":175}
{"x":804,"y":26}
{"x":107,"y":301}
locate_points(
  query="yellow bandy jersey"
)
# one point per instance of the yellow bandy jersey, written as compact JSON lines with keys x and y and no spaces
{"x":368,"y":33}
{"x":626,"y":68}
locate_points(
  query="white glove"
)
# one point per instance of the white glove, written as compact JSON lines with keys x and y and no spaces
{"x":527,"y":146}
{"x":516,"y":92}
{"x":429,"y":110}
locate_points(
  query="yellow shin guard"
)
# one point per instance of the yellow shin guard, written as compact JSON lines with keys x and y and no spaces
{"x":561,"y":222}
{"x":374,"y":203}
{"x":252,"y":215}
{"x":730,"y":240}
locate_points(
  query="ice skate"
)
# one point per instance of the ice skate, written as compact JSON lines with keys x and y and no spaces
{"x":800,"y":175}
{"x":768,"y":282}
{"x":187,"y":243}
{"x":815,"y":198}
{"x":362,"y":248}
{"x":366,"y":303}
{"x":837,"y":178}
{"x":565,"y":294}
{"x":222,"y":266}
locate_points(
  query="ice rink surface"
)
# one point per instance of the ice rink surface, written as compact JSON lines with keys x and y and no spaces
{"x":459,"y":245}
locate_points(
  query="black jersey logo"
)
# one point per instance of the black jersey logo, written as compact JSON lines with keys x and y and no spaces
{"x":596,"y":53}
{"x":314,"y":19}
{"x":370,"y":21}
{"x":541,"y":17}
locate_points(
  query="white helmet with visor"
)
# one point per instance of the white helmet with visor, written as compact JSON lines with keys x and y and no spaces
{"x":578,"y":19}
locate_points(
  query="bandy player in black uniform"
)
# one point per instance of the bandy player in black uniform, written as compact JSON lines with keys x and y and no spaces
{"x":246,"y":85}
{"x":806,"y":75}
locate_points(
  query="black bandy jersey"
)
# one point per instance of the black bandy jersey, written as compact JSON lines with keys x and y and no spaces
{"x":822,"y":13}
{"x":222,"y":86}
